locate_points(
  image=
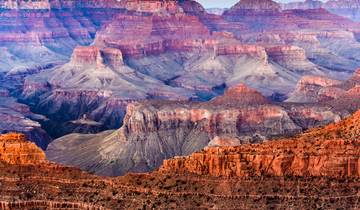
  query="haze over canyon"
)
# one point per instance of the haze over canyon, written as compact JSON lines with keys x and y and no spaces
{"x":156,"y":103}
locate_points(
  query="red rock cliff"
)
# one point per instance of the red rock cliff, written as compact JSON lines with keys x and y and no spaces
{"x":331,"y":151}
{"x":14,"y":149}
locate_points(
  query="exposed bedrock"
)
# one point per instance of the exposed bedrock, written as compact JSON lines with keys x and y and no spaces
{"x":93,"y":90}
{"x":154,"y":131}
{"x":339,"y":94}
{"x":16,"y":150}
{"x":16,"y":117}
{"x":331,"y":151}
{"x":29,"y":181}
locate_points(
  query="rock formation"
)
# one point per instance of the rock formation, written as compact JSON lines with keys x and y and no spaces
{"x":307,"y":4}
{"x":16,"y":150}
{"x":318,"y":169}
{"x":179,"y":50}
{"x":253,"y":7}
{"x":153,"y":131}
{"x":346,"y":8}
{"x":18,"y":117}
{"x":331,"y":151}
{"x":343,"y":95}
{"x":312,"y":88}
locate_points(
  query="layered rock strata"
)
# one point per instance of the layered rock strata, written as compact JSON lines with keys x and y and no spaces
{"x":284,"y":178}
{"x":16,"y":150}
{"x":346,"y":8}
{"x":332,"y":151}
{"x":16,"y":117}
{"x":155,"y":130}
{"x":339,"y":94}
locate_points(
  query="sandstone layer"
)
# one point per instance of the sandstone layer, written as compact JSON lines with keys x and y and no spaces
{"x":332,"y":151}
{"x":290,"y":180}
{"x":322,"y":90}
{"x":179,"y":51}
{"x":16,"y":117}
{"x":156,"y":130}
{"x":346,"y":8}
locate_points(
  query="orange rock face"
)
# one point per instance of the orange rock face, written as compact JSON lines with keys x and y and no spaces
{"x":93,"y":56}
{"x":343,"y":95}
{"x":320,"y":171}
{"x":332,"y":151}
{"x":241,"y":94}
{"x":14,"y":149}
{"x":87,"y":56}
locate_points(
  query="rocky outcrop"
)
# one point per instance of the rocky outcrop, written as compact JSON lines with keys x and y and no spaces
{"x":153,"y":131}
{"x":331,"y":151}
{"x":247,"y":95}
{"x":23,"y":4}
{"x":87,"y":56}
{"x":286,"y":54}
{"x":16,"y":117}
{"x":307,"y":4}
{"x":317,"y":169}
{"x":252,"y":7}
{"x":16,"y":150}
{"x":316,"y":89}
{"x":346,"y":8}
{"x":93,"y":56}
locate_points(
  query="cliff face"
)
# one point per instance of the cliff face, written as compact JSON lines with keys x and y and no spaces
{"x":153,"y":131}
{"x":16,"y":117}
{"x":307,"y":4}
{"x":331,"y":151}
{"x":252,"y":7}
{"x":15,"y":150}
{"x":339,"y":94}
{"x":318,"y":169}
{"x":346,"y":8}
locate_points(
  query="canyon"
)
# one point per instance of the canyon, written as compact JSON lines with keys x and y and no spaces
{"x":156,"y":130}
{"x":305,"y":155}
{"x":94,"y":76}
{"x":157,"y":104}
{"x":318,"y":169}
{"x":205,"y":53}
{"x":346,"y":8}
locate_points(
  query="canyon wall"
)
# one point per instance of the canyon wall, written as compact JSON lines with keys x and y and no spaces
{"x":317,"y":169}
{"x":16,"y":150}
{"x":331,"y":151}
{"x":153,"y":131}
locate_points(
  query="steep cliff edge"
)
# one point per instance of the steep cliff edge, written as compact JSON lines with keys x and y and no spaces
{"x":331,"y":151}
{"x":343,"y":95}
{"x":14,"y":149}
{"x":346,"y":8}
{"x":331,"y":182}
{"x":156,"y":130}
